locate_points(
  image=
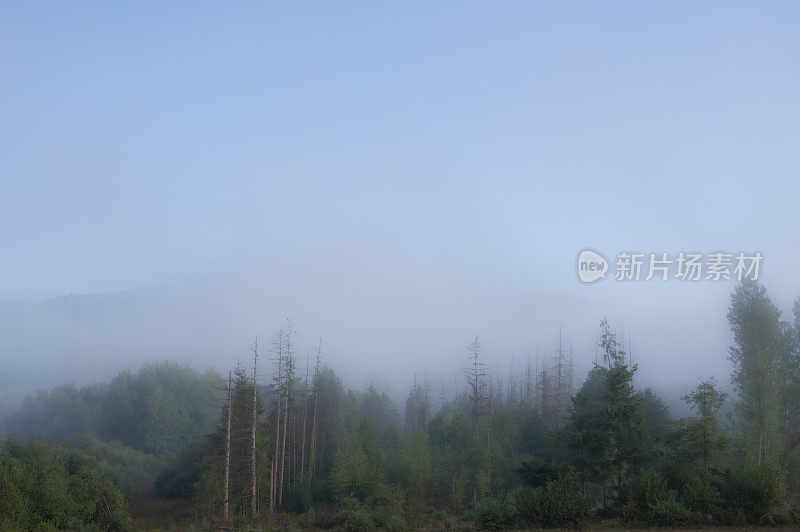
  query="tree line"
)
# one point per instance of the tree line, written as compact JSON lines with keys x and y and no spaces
{"x":529,"y":447}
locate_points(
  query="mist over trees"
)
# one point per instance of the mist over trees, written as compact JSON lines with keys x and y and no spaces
{"x":283,"y":440}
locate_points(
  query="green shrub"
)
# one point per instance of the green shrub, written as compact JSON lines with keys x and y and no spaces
{"x":644,"y":489}
{"x":750,"y":494}
{"x":493,"y":513}
{"x":307,"y":519}
{"x":354,"y":515}
{"x":646,"y":498}
{"x":386,"y":519}
{"x":558,"y":503}
{"x":700,"y":494}
{"x":669,"y":512}
{"x":45,"y":486}
{"x":300,"y":498}
{"x":240,"y":521}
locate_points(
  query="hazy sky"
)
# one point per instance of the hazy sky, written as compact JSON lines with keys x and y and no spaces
{"x":396,"y":177}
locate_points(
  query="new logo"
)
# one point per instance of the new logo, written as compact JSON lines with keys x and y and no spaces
{"x":591,"y":266}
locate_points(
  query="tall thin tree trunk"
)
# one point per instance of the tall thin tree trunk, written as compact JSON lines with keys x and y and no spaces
{"x":253,"y":432}
{"x":228,"y":452}
{"x":274,"y":491}
{"x":283,"y":448}
{"x":313,"y":451}
{"x":288,"y":378}
{"x":305,"y":414}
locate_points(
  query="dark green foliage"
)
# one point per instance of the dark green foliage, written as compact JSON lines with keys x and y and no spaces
{"x":704,"y":441}
{"x":457,"y":456}
{"x":646,"y":498}
{"x":644,"y":489}
{"x":557,"y":503}
{"x":366,"y":501}
{"x":669,"y":512}
{"x":299,"y":498}
{"x":606,"y":429}
{"x":43,"y":485}
{"x":750,"y":494}
{"x":63,"y":411}
{"x":414,"y":465}
{"x":700,"y":493}
{"x":356,"y":515}
{"x":533,"y":435}
{"x":123,"y":465}
{"x":208,"y":487}
{"x":177,"y":480}
{"x":494,"y":513}
{"x":157,"y":410}
{"x":353,"y":476}
{"x":658,"y":424}
{"x":539,"y":471}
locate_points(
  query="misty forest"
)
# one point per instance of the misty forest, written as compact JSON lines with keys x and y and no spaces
{"x":280,"y":441}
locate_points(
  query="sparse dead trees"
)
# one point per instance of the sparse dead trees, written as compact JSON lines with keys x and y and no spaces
{"x":283,"y":380}
{"x":418,"y":406}
{"x":475,"y":373}
{"x":553,"y":385}
{"x":562,"y":378}
{"x":237,"y":491}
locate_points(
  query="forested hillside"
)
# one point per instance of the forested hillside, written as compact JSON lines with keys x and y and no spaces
{"x":155,"y":410}
{"x":530,"y":447}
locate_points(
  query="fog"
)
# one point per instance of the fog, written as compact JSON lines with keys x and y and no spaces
{"x":393,"y":183}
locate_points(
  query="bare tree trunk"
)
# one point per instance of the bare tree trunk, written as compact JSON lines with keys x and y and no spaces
{"x":274,"y":490}
{"x":272,"y":486}
{"x":559,"y":380}
{"x":253,"y":432}
{"x":288,"y":378}
{"x":228,"y":451}
{"x":414,"y":403}
{"x":313,"y":450}
{"x":489,"y":445}
{"x":283,"y":448}
{"x":305,"y":414}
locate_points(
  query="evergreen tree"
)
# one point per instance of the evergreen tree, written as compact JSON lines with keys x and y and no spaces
{"x":704,"y":436}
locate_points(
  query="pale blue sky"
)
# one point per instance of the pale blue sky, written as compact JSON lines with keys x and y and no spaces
{"x":450,"y":149}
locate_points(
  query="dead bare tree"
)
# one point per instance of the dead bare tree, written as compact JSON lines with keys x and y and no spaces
{"x":528,"y":384}
{"x":253,"y":501}
{"x":228,"y":452}
{"x":313,"y":449}
{"x":559,"y":384}
{"x":304,"y":422}
{"x":288,"y":377}
{"x":277,"y":379}
{"x":475,"y":374}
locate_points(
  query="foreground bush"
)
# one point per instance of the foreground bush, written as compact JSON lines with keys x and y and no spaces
{"x":557,"y":503}
{"x":750,"y":495}
{"x":647,"y":499}
{"x":355,"y":515}
{"x":44,"y":486}
{"x":494,"y":513}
